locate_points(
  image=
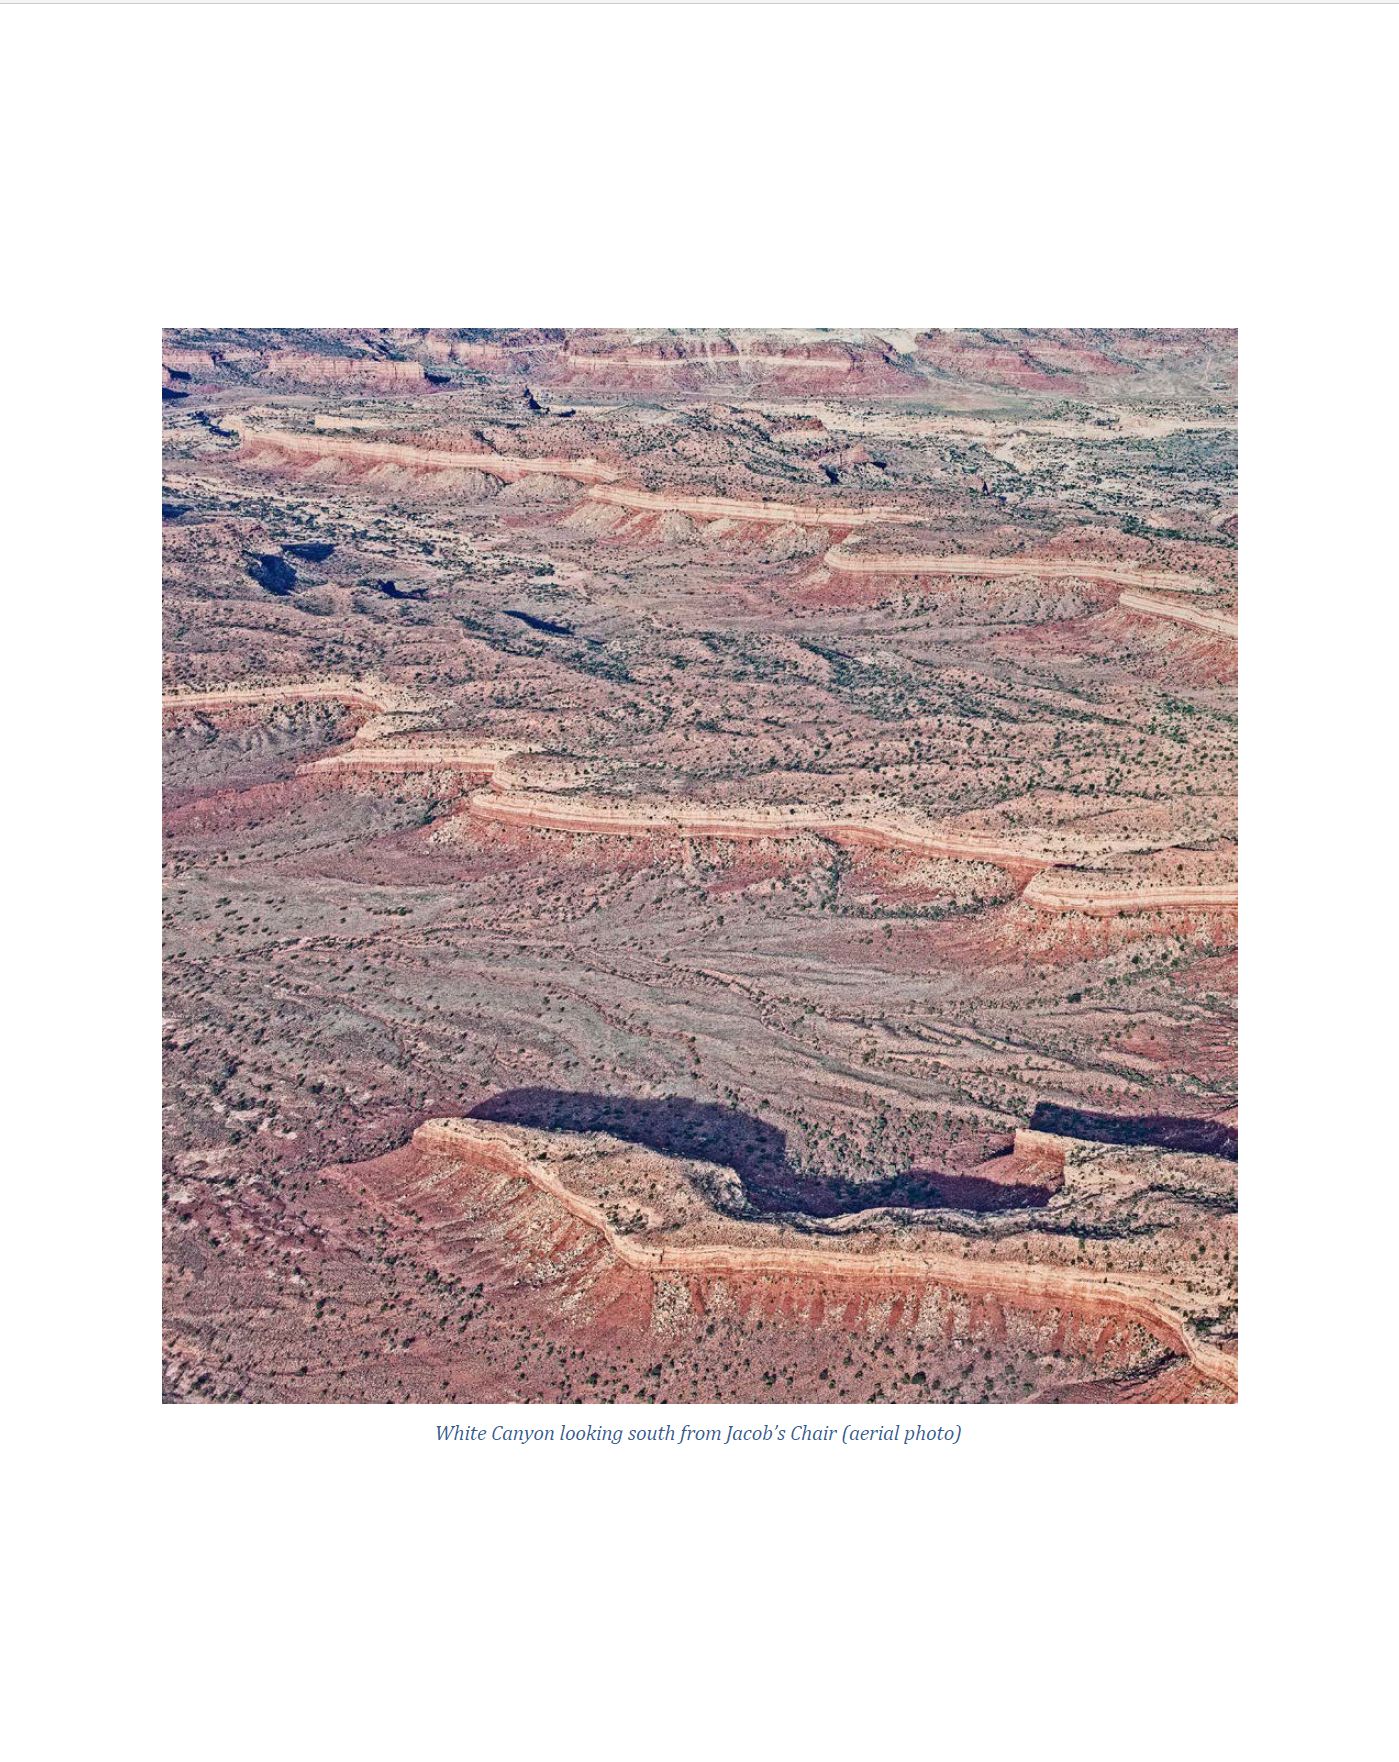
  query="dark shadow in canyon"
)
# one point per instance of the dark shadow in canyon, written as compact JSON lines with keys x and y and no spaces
{"x":271,"y":571}
{"x":753,"y":1149}
{"x":1163,"y":1131}
{"x":542,"y":624}
{"x":391,"y":590}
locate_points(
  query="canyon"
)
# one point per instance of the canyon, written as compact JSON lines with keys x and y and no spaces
{"x":700,"y":865}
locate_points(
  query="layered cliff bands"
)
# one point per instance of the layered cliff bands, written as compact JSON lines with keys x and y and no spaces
{"x":1037,"y":865}
{"x":599,"y":477}
{"x":774,"y":792}
{"x":351,"y":371}
{"x":1112,"y":574}
{"x":869,"y":362}
{"x":763,"y":513}
{"x":563,"y":814}
{"x":367,"y":693}
{"x":1054,"y":872}
{"x":1207,"y":618}
{"x":261,"y":443}
{"x":1142,"y":588}
{"x":1082,"y":891}
{"x":1156,"y":1304}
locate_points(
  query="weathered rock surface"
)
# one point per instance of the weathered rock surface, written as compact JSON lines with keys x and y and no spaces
{"x":741,"y":780}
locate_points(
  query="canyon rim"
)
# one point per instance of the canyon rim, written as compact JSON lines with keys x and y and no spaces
{"x":700,"y":866}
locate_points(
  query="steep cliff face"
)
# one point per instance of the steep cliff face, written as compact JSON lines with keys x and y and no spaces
{"x":1082,"y":891}
{"x":1045,"y":364}
{"x":186,"y":360}
{"x":870,"y":561}
{"x":810,"y":364}
{"x":579,"y":814}
{"x":617,"y":1259}
{"x":1042,"y":1150}
{"x":359,"y":456}
{"x":346,"y":370}
{"x":1082,"y":363}
{"x":1216,"y":621}
{"x":1202,"y":1137}
{"x":527,"y":758}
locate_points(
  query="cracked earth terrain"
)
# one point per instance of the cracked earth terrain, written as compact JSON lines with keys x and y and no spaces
{"x":700,"y":866}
